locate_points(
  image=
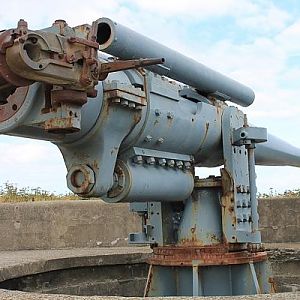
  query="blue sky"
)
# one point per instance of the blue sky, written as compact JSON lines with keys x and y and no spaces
{"x":255,"y":42}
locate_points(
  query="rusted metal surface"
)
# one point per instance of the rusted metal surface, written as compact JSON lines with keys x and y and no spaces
{"x":207,"y":256}
{"x":68,"y":96}
{"x":148,"y":282}
{"x":9,"y":80}
{"x":119,"y":65}
{"x":210,"y":182}
{"x":14,"y":102}
{"x":81,"y":179}
{"x":62,"y":125}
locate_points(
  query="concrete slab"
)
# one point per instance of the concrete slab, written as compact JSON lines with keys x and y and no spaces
{"x":15,"y":264}
{"x":13,"y":295}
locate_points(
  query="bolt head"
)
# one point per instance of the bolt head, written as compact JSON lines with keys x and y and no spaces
{"x":81,"y":179}
{"x":170,"y":163}
{"x":148,"y":138}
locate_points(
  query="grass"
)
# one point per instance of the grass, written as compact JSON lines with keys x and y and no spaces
{"x":286,"y":194}
{"x":9,"y":192}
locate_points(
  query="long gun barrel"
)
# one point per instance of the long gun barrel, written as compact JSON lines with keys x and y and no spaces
{"x":125,"y":43}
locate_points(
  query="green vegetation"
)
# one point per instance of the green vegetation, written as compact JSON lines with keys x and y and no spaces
{"x":11,"y":193}
{"x":274,"y":194}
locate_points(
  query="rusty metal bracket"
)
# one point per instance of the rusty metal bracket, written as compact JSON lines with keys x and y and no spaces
{"x":120,"y":65}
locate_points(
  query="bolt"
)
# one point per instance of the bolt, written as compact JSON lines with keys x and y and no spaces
{"x":170,"y":163}
{"x":124,"y":102}
{"x":150,"y":160}
{"x":162,"y":162}
{"x":157,"y":112}
{"x":170,"y":115}
{"x":187,"y":165}
{"x":131,"y":105}
{"x":179,"y":164}
{"x":160,"y":140}
{"x":148,"y":138}
{"x":138,"y":159}
{"x":138,"y":107}
{"x":81,"y":179}
{"x":116,"y":100}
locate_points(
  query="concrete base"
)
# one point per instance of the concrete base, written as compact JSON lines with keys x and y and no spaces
{"x":112,"y":271}
{"x":13,"y":295}
{"x":285,"y":262}
{"x":65,"y":224}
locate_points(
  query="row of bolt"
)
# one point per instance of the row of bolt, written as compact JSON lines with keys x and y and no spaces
{"x":171,"y":163}
{"x":244,"y":219}
{"x":158,"y":113}
{"x":244,"y":189}
{"x":126,"y":103}
{"x":243,"y":205}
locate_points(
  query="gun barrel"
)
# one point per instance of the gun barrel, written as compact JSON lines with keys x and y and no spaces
{"x":122,"y":42}
{"x":276,"y":152}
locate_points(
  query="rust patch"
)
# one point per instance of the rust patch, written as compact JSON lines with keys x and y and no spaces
{"x":14,"y":103}
{"x":206,"y":255}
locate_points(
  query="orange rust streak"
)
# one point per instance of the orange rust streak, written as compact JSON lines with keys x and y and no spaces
{"x":206,"y":255}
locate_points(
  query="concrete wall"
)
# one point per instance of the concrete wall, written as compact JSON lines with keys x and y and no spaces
{"x":280,"y":220}
{"x":65,"y":224}
{"x":93,"y":223}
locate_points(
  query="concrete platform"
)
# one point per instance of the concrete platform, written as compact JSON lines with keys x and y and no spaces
{"x":12,"y":295}
{"x":16,"y":264}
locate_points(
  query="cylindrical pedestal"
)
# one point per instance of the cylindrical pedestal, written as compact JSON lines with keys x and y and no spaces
{"x":201,"y":263}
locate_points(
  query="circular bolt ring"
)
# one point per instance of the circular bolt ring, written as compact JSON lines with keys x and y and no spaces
{"x":14,"y":103}
{"x":84,"y":186}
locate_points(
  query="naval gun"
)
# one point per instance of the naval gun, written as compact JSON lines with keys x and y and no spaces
{"x":132,"y":122}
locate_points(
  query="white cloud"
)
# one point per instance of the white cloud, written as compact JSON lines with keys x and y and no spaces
{"x":265,"y":19}
{"x":260,"y":60}
{"x":32,"y":163}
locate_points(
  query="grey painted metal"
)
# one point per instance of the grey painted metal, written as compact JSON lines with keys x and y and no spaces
{"x":276,"y":152}
{"x":125,"y":43}
{"x":253,"y":189}
{"x":195,"y":278}
{"x":237,"y":224}
{"x":255,"y":281}
{"x":201,"y":220}
{"x":152,"y":225}
{"x":146,"y":182}
{"x":215,"y":281}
